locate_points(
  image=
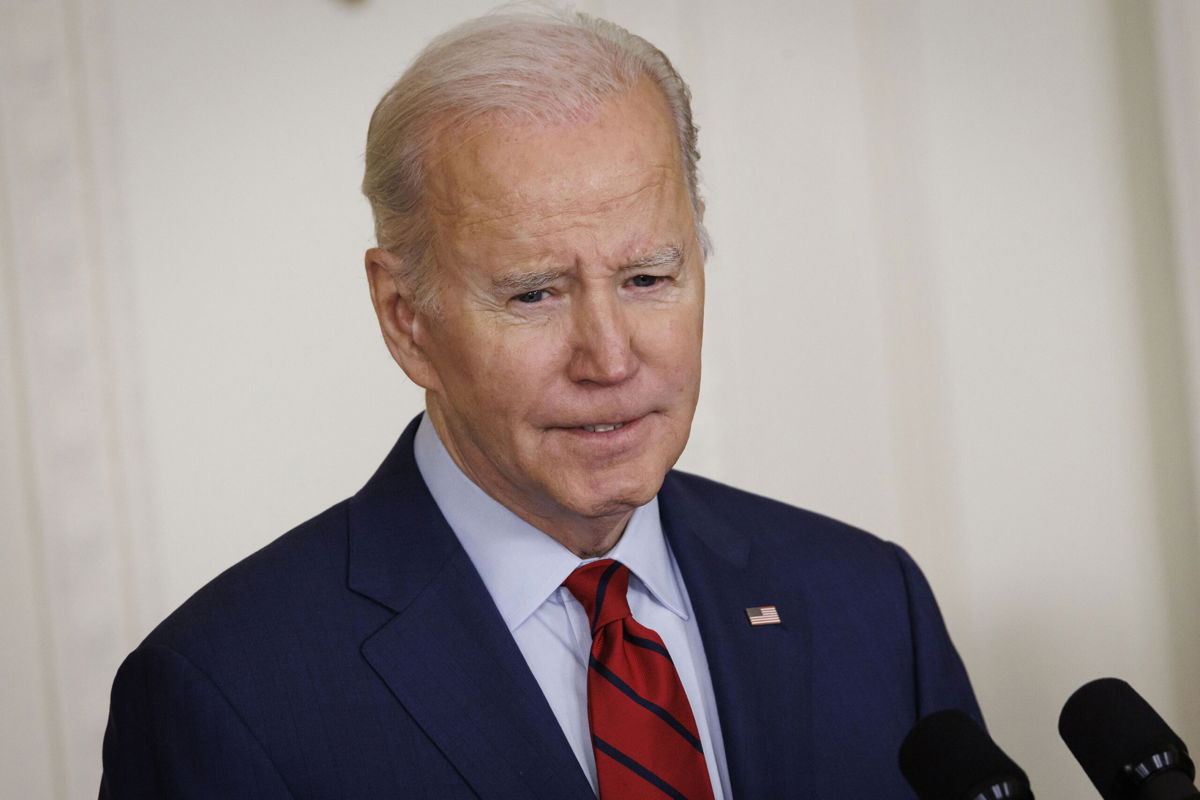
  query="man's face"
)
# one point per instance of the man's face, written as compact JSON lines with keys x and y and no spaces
{"x":572,"y":297}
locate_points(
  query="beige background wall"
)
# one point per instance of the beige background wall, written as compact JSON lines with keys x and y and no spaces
{"x":955,"y":300}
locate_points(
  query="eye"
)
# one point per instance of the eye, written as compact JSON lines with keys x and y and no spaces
{"x":535,"y":296}
{"x":645,"y":281}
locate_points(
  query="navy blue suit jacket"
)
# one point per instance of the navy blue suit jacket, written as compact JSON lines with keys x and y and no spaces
{"x":360,"y":656}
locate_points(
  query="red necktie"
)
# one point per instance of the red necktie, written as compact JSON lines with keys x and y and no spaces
{"x":645,"y":739}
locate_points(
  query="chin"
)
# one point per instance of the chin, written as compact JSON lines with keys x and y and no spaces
{"x":620,"y":498}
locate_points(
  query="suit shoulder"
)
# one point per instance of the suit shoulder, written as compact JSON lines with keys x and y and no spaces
{"x":774,"y":522}
{"x":271,"y":588}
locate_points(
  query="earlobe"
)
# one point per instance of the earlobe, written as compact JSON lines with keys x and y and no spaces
{"x":399,"y":321}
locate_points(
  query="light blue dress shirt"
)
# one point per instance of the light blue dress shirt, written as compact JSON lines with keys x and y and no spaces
{"x":523,"y":569}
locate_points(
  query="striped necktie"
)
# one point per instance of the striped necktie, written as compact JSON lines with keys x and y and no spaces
{"x":645,"y":739}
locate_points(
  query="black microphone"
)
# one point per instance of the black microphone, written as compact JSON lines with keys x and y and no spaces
{"x":1124,"y":746}
{"x":947,"y":756}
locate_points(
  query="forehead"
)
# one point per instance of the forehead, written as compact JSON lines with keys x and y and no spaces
{"x":500,"y":182}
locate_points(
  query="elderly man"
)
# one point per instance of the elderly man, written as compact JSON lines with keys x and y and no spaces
{"x":525,"y":601}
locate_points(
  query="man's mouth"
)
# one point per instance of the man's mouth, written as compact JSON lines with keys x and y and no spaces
{"x":604,"y":427}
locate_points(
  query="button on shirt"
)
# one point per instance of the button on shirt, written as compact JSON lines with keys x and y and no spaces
{"x":523,"y":570}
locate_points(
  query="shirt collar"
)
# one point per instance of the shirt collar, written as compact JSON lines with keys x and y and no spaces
{"x":521,"y":566}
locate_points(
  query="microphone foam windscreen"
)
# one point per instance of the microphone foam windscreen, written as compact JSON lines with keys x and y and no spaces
{"x":946,"y":755}
{"x":1107,"y":725}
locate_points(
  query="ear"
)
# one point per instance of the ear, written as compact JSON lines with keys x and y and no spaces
{"x":404,"y":328}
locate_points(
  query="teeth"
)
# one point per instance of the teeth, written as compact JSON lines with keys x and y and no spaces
{"x":603,"y":428}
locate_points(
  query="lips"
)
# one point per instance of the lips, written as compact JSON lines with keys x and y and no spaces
{"x":603,"y":423}
{"x":603,"y":427}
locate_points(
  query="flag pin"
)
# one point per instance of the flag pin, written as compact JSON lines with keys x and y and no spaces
{"x":763,"y":615}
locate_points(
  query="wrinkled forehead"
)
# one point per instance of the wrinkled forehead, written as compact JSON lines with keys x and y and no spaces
{"x":496,"y":166}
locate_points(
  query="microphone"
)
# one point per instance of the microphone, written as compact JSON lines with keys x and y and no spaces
{"x":1124,"y":746}
{"x":947,"y":756}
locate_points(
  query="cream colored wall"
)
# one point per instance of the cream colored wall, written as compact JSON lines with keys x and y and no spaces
{"x":955,"y":301}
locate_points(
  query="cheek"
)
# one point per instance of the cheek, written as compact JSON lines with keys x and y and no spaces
{"x":675,"y":343}
{"x":685,"y":378}
{"x":511,"y":371}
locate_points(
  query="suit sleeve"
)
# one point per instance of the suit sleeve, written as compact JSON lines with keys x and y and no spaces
{"x":173,"y":734}
{"x":940,"y":678}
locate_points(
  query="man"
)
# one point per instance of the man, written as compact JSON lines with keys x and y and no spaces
{"x":525,"y":601}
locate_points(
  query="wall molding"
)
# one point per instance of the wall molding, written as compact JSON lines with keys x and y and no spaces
{"x":72,"y":331}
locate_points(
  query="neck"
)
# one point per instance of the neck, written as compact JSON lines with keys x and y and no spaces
{"x":591,"y":541}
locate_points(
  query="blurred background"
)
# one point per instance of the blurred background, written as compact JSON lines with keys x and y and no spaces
{"x":955,"y":300}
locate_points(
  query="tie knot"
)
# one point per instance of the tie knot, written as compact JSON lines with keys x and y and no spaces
{"x":600,"y":586}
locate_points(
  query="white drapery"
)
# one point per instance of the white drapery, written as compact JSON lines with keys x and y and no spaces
{"x":955,"y":300}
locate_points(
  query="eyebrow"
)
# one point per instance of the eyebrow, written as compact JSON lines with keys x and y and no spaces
{"x":666,"y":256}
{"x":517,"y":282}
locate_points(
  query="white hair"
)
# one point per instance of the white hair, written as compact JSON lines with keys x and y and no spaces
{"x":536,"y":65}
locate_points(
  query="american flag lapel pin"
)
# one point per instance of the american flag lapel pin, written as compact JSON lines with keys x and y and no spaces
{"x":763,"y":615}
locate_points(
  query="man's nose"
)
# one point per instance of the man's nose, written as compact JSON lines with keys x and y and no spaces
{"x":603,"y":350}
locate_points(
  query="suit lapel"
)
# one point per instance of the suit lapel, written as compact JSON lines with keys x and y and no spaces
{"x":760,"y":675}
{"x":447,"y":655}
